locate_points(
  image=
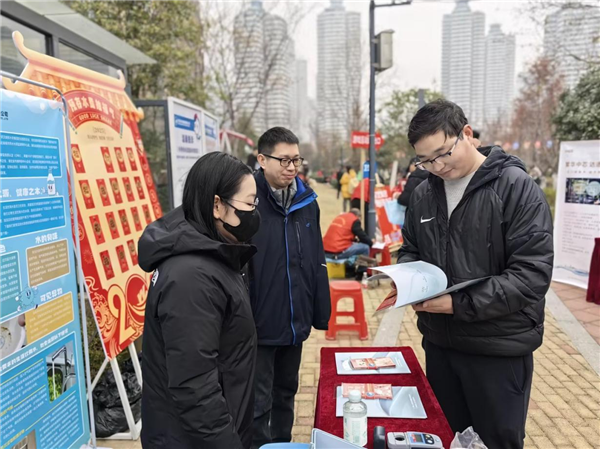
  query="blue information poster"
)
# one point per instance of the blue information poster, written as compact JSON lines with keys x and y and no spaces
{"x":42,"y":382}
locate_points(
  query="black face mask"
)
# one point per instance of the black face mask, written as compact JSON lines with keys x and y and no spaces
{"x":249,"y":224}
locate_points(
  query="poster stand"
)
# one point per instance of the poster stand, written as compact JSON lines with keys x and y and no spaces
{"x":134,"y":428}
{"x":77,"y":246}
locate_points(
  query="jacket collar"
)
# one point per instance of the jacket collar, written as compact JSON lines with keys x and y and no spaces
{"x":304,"y":194}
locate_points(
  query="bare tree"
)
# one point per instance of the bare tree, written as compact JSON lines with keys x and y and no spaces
{"x":535,"y":106}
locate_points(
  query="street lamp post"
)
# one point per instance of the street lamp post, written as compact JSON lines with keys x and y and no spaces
{"x":371,"y":219}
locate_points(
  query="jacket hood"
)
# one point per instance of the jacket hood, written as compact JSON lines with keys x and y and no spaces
{"x":173,"y":235}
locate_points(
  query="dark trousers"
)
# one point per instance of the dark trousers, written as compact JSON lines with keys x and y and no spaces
{"x":275,"y":386}
{"x":489,"y":393}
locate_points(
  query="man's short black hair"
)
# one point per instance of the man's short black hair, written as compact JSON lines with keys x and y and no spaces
{"x":273,"y":136}
{"x":439,"y":115}
{"x":476,"y":134}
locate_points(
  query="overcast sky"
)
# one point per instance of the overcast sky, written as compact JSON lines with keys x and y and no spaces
{"x":418,"y":37}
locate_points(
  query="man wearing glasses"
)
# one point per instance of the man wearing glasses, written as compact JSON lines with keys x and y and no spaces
{"x":289,"y":288}
{"x":478,"y":215}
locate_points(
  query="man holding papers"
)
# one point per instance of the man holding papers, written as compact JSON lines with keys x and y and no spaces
{"x":478,"y":215}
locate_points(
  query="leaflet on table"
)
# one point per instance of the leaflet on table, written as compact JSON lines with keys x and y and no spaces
{"x":416,"y":282}
{"x":369,"y":391}
{"x":372,"y":363}
{"x":405,"y":403}
{"x":394,"y":363}
{"x":42,"y":382}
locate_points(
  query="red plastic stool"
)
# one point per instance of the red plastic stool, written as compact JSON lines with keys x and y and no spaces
{"x":347,"y":289}
{"x":386,"y":258}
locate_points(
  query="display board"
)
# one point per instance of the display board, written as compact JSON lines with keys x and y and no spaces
{"x":192,"y":133}
{"x":42,"y":379}
{"x":577,"y":211}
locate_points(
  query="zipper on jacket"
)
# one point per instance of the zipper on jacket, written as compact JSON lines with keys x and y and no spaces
{"x":299,"y":245}
{"x":287,"y":254}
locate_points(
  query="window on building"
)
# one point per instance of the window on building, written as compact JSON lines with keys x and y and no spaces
{"x":70,"y":54}
{"x":11,"y":60}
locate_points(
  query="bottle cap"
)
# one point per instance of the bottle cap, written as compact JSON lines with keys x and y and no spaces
{"x":354,"y":396}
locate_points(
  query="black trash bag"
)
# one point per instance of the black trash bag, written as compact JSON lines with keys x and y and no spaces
{"x":108,"y":410}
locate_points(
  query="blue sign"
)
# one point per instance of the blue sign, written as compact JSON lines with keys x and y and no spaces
{"x":366,"y":169}
{"x":182,"y":122}
{"x":42,"y":379}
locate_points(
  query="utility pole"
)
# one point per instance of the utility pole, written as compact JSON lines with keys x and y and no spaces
{"x":375,"y":46}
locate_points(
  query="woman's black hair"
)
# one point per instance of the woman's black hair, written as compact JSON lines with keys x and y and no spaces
{"x":213,"y":174}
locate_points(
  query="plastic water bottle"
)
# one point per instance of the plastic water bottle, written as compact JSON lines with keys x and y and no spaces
{"x":51,"y":185}
{"x":355,"y":419}
{"x":365,"y":281}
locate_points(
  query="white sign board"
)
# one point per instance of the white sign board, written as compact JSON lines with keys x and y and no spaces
{"x":211,"y":133}
{"x":577,"y":212}
{"x":193,"y":132}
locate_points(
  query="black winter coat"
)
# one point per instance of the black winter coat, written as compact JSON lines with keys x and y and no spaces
{"x":199,"y":339}
{"x":413,"y":181}
{"x":289,"y":288}
{"x":501,"y":228}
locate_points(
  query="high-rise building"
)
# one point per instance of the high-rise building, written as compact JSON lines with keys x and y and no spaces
{"x":572,"y":39}
{"x":339,"y":70}
{"x":499,"y":87}
{"x":264,"y":68}
{"x":463,"y":60}
{"x":300,"y":114}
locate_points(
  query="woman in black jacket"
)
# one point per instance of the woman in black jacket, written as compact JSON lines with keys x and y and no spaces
{"x":199,"y":336}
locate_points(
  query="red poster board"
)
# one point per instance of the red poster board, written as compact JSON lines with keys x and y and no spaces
{"x":116,"y":197}
{"x":391,"y":233}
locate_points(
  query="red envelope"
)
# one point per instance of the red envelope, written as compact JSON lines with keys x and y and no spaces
{"x":132,"y":251}
{"x":131,"y":157}
{"x":114,"y":184}
{"x":122,"y":258}
{"x":77,"y":158}
{"x":139,"y":187}
{"x":107,"y":160}
{"x":124,"y":222}
{"x":136,"y":219}
{"x":112,"y":225}
{"x":103,"y":192}
{"x":106,"y":263}
{"x":120,"y":159}
{"x":87,"y":194}
{"x":97,"y":228}
{"x":147,"y":215}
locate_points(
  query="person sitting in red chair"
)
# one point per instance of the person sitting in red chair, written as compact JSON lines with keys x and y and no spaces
{"x":342,"y":235}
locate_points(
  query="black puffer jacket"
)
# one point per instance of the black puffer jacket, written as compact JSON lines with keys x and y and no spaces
{"x":199,"y":339}
{"x":501,"y":228}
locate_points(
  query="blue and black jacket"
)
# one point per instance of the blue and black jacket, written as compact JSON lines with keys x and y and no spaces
{"x":289,"y":288}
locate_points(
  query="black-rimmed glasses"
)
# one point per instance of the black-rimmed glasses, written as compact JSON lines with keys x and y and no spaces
{"x":422,"y":166}
{"x":252,"y":205}
{"x":285,"y":162}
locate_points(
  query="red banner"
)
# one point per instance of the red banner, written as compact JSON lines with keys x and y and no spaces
{"x":360,"y":139}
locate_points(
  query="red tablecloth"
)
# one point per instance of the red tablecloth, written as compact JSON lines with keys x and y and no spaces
{"x":326,"y":420}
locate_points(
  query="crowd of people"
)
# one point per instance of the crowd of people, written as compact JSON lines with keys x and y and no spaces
{"x":239,"y":280}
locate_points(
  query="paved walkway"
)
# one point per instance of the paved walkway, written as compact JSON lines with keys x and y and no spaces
{"x":564,"y":410}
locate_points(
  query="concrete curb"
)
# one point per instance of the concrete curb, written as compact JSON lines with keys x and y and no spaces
{"x":582,"y":340}
{"x":389,"y":328}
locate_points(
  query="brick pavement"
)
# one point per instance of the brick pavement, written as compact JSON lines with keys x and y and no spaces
{"x":587,"y":313}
